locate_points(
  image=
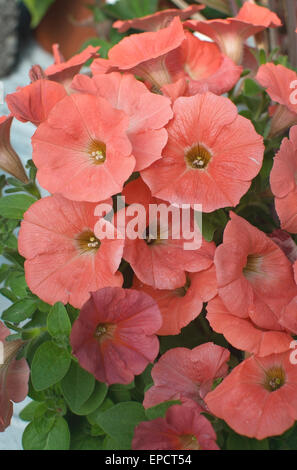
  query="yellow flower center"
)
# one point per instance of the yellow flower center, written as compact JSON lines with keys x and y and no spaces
{"x":97,"y":152}
{"x":198,"y":157}
{"x":274,"y":378}
{"x":104,"y":331}
{"x":189,"y":442}
{"x":253,"y":265}
{"x":87,"y":242}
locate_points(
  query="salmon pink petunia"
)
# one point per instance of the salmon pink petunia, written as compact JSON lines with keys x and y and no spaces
{"x":114,"y":336}
{"x":63,"y":71}
{"x":186,"y":375}
{"x":183,"y":428}
{"x":211,"y":156}
{"x":244,"y":334}
{"x":65,"y":261}
{"x":255,"y":278}
{"x":259,"y":397}
{"x":283,"y":181}
{"x":203,"y":66}
{"x":145,"y":54}
{"x":148,"y":112}
{"x":34,"y":102}
{"x":158,"y":253}
{"x":230,"y":34}
{"x":180,"y":306}
{"x":9,"y":159}
{"x":278,"y":81}
{"x":14,"y":377}
{"x":158,"y":20}
{"x":82,"y":151}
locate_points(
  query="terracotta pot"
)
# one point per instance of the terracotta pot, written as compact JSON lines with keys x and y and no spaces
{"x":56,"y":26}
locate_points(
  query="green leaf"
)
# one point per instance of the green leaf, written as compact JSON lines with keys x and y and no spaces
{"x":14,"y":207}
{"x":127,"y":9}
{"x":50,"y":364}
{"x":212,"y":222}
{"x":251,"y":88}
{"x":238,"y":442}
{"x":95,"y":400}
{"x":54,"y":435}
{"x":37,"y":9}
{"x":77,"y":386}
{"x":19,"y":311}
{"x":58,"y":323}
{"x":159,"y":411}
{"x":120,"y":420}
{"x":28,"y":413}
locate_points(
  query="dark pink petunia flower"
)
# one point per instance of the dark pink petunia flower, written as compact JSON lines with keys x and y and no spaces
{"x":114,"y":337}
{"x":183,"y":428}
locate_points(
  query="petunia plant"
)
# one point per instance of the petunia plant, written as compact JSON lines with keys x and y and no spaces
{"x":153,"y":287}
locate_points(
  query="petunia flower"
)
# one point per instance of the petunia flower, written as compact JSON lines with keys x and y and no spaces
{"x":88,"y":153}
{"x":278,"y":81}
{"x":145,"y":54}
{"x":158,"y":20}
{"x":243,"y":333}
{"x":158,"y":253}
{"x":230,"y":34}
{"x":183,"y":428}
{"x":65,"y":261}
{"x":255,"y":278}
{"x":283,"y":182}
{"x":211,"y":156}
{"x":259,"y":397}
{"x":186,"y":375}
{"x":9,"y":159}
{"x":14,"y":377}
{"x":203,"y":66}
{"x":63,"y":71}
{"x":114,"y":337}
{"x":180,"y":306}
{"x":148,"y":113}
{"x":34,"y":102}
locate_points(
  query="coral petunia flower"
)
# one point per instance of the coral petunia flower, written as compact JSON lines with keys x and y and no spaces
{"x":244,"y":334}
{"x":114,"y":336}
{"x":145,"y":54}
{"x":34,"y":102}
{"x":159,"y":20}
{"x":159,"y":256}
{"x":9,"y":159}
{"x":180,"y":306}
{"x":278,"y":81}
{"x":65,"y":261}
{"x":259,"y":397}
{"x":186,"y":375}
{"x":230,"y":34}
{"x":183,"y":428}
{"x":255,"y":278}
{"x":63,"y":71}
{"x":283,"y":181}
{"x":211,"y":156}
{"x":148,"y":112}
{"x":14,"y":377}
{"x":203,"y":66}
{"x":82,"y":151}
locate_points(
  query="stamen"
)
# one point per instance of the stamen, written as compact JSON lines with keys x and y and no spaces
{"x":197,"y":157}
{"x":97,"y":152}
{"x":87,"y":242}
